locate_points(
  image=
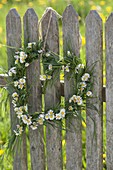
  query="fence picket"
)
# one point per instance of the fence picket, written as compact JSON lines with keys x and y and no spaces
{"x":35,"y":98}
{"x":71,"y":42}
{"x":94,"y":55}
{"x":13,"y":31}
{"x":50,"y":34}
{"x":109,"y":90}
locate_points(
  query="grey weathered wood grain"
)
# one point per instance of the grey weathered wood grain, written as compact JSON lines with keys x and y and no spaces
{"x":109,"y":90}
{"x":13,"y":31}
{"x":52,"y":96}
{"x":34,"y":87}
{"x":94,"y":54}
{"x":71,"y":42}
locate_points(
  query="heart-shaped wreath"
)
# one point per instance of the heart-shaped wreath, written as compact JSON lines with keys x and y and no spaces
{"x":71,"y":65}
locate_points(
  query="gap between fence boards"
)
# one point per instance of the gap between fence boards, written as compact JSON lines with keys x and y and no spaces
{"x":3,"y":83}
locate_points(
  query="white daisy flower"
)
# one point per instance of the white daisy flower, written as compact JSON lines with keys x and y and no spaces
{"x":47,"y":54}
{"x":40,"y":51}
{"x":15,"y":83}
{"x":22,"y":81}
{"x":68,"y":53}
{"x":26,"y":108}
{"x":58,"y":116}
{"x":49,"y":77}
{"x":16,"y":109}
{"x":63,"y":113}
{"x":16,"y":133}
{"x":70,"y":108}
{"x":52,"y":117}
{"x":83,"y":84}
{"x":79,"y":100}
{"x":26,"y":64}
{"x":47,"y":116}
{"x":74,"y":98}
{"x":50,"y":67}
{"x":40,"y":119}
{"x":89,"y":93}
{"x":4,"y":75}
{"x":20,"y":86}
{"x":19,"y":114}
{"x":34,"y":126}
{"x":85,"y":77}
{"x":42,"y":77}
{"x":29,"y":45}
{"x":15,"y":95}
{"x":67,"y":68}
{"x":24,"y":119}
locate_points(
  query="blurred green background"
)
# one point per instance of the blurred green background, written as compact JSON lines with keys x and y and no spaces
{"x":82,"y":7}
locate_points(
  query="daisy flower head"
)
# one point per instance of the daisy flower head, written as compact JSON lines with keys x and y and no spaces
{"x":58,"y":116}
{"x":89,"y":94}
{"x":85,"y":77}
{"x":34,"y":126}
{"x":67,"y":68}
{"x":79,"y":100}
{"x":42,"y":77}
{"x":63,"y":113}
{"x":40,"y":119}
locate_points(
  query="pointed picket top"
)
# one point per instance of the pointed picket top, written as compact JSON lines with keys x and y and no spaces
{"x":13,"y":28}
{"x":49,"y":24}
{"x":94,"y":45}
{"x":110,"y":18}
{"x":70,"y":12}
{"x":71,"y":30}
{"x":30,"y":26}
{"x":93,"y":15}
{"x":13,"y":12}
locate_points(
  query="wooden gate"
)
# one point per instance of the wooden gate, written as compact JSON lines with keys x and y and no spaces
{"x":48,"y":155}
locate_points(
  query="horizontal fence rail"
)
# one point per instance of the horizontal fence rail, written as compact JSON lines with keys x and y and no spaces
{"x":46,"y":143}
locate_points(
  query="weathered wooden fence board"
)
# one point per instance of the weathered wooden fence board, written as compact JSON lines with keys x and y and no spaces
{"x":71,"y":42}
{"x":109,"y":90}
{"x":13,"y":30}
{"x":34,"y":86}
{"x":50,"y":34}
{"x":94,"y":55}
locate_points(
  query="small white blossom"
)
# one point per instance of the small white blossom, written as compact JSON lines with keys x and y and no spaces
{"x":14,"y":95}
{"x":47,"y":54}
{"x":79,"y":100}
{"x":67,"y":68}
{"x":47,"y":116}
{"x":3,"y":75}
{"x":40,"y":119}
{"x":85,"y":77}
{"x":89,"y":93}
{"x":22,"y":81}
{"x":26,"y":108}
{"x":49,"y":77}
{"x":58,"y":116}
{"x":40,"y":51}
{"x":70,"y":108}
{"x":20,"y":86}
{"x":15,"y":83}
{"x":68,"y":53}
{"x":63,"y":113}
{"x":26,"y":64}
{"x":19,"y":114}
{"x":34,"y":126}
{"x":42,"y":77}
{"x":16,"y":133}
{"x":50,"y":67}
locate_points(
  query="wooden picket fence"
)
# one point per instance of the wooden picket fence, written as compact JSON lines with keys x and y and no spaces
{"x":48,"y":155}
